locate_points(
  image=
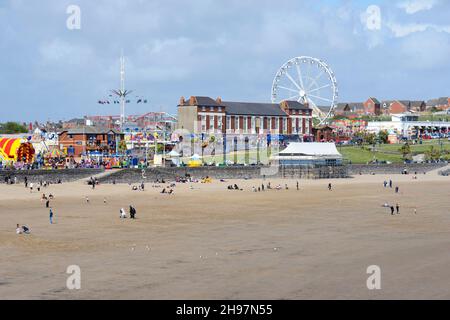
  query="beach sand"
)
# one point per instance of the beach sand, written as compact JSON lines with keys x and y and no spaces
{"x":212,"y":243}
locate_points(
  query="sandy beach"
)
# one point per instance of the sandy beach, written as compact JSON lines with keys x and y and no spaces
{"x":212,"y":243}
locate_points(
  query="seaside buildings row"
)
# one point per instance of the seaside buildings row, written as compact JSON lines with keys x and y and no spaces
{"x":199,"y":117}
{"x":375,"y":107}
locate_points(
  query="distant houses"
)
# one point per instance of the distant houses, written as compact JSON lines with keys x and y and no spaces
{"x":374,"y":107}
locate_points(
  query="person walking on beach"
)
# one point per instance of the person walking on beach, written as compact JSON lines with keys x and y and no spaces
{"x":396,"y":189}
{"x":392,"y":210}
{"x":51,"y":216}
{"x":385,"y":183}
{"x":47,"y":203}
{"x":397,"y":207}
{"x":390,"y":183}
{"x":330,"y":187}
{"x":31,"y":187}
{"x":298,"y":186}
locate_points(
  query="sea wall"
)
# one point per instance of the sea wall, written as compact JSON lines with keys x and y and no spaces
{"x":65,"y":175}
{"x":395,"y":168}
{"x":152,"y":174}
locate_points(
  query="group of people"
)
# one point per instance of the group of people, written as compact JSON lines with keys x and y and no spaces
{"x":132,"y":212}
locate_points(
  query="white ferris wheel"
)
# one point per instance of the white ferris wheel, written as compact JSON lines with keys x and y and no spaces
{"x":309,"y":81}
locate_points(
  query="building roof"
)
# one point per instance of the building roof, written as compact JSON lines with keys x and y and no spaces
{"x":352,"y":105}
{"x":201,"y":101}
{"x":375,"y":100}
{"x":244,"y":108}
{"x":310,"y":149}
{"x":443,"y":101}
{"x":411,"y":103}
{"x":253,"y":109}
{"x":90,"y":130}
{"x":295,"y":105}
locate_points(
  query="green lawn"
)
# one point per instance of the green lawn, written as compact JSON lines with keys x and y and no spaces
{"x":355,"y":154}
{"x":389,"y":152}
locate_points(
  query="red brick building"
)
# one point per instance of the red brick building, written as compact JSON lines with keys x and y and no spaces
{"x":372,"y":106}
{"x":402,"y":106}
{"x":209,"y":116}
{"x":84,"y":139}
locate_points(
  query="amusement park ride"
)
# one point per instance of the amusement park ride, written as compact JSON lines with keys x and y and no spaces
{"x":122,"y":94}
{"x":309,"y":81}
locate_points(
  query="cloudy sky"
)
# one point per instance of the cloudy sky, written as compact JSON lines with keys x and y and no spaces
{"x":227,"y":48}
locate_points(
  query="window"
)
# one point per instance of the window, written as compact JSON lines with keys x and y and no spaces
{"x":211,"y":122}
{"x":277,"y":123}
{"x":236,"y":125}
{"x":269,"y":123}
{"x":228,"y":122}
{"x":294,"y":128}
{"x":219,"y":122}
{"x":203,"y":123}
{"x":245,"y":124}
{"x":211,"y":109}
{"x":219,"y":109}
{"x":203,"y":109}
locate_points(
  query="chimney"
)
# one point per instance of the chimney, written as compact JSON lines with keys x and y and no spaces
{"x":193,"y":101}
{"x":219,"y":100}
{"x":182,"y":101}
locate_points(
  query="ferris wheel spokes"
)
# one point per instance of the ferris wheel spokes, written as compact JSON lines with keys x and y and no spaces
{"x":310,"y":86}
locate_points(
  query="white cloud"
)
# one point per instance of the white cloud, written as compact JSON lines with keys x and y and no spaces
{"x":62,"y":52}
{"x":403,"y":30}
{"x":414,"y":6}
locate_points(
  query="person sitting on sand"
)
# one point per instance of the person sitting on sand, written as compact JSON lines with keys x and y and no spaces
{"x":23,"y":229}
{"x":279,"y":187}
{"x":134,"y":188}
{"x":51,"y":197}
{"x":171,"y":191}
{"x":163,"y":190}
{"x":236,"y":187}
{"x":123,"y":215}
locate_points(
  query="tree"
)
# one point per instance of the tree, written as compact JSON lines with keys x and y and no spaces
{"x":405,"y":151}
{"x":12,"y":128}
{"x":122,"y":146}
{"x":432,"y":154}
{"x":383,"y":136}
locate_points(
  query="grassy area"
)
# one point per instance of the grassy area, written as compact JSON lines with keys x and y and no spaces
{"x":355,"y":154}
{"x":390,"y":152}
{"x":435,"y":117}
{"x":362,"y":155}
